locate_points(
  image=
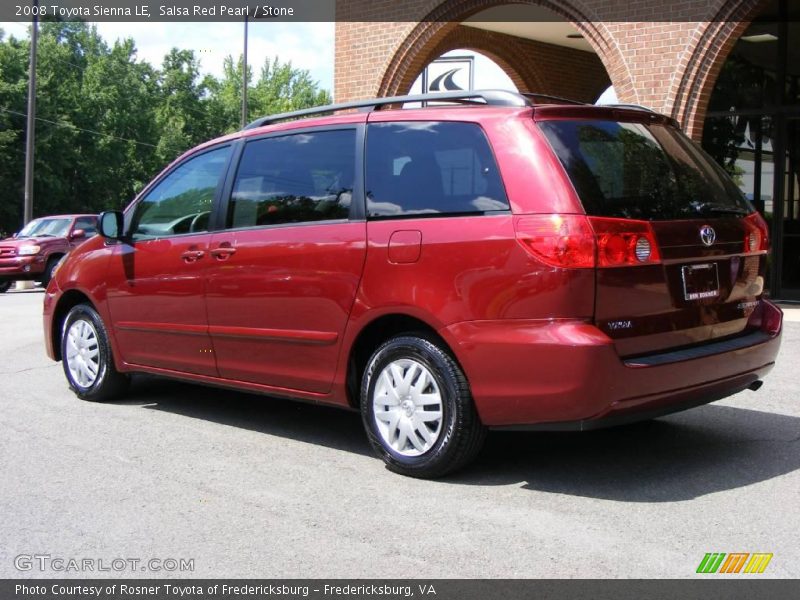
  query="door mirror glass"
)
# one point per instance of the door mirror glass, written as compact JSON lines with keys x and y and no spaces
{"x":110,"y":224}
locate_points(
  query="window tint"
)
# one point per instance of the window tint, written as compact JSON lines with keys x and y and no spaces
{"x":431,"y":168}
{"x":182,"y":201}
{"x":637,"y":171}
{"x":294,"y":179}
{"x":88,"y":224}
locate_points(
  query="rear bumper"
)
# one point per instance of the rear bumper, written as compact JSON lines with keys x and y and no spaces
{"x":567,"y":374}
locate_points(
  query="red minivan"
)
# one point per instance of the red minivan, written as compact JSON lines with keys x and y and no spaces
{"x":492,"y":262}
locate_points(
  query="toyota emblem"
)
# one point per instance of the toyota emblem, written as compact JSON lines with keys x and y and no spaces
{"x":707,"y":235}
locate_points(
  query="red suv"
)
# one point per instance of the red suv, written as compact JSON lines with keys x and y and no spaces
{"x":444,"y":270}
{"x":34,"y":252}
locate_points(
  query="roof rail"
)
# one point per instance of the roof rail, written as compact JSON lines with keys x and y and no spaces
{"x":489,"y":97}
{"x":630,"y":106}
{"x":534,"y":95}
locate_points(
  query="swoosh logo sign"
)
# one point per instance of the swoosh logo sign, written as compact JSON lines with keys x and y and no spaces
{"x":445,"y":83}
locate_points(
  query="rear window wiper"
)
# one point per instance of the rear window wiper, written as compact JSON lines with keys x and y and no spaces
{"x":724,"y":210}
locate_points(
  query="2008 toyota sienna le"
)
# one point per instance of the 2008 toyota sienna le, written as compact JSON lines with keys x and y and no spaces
{"x":492,"y":262}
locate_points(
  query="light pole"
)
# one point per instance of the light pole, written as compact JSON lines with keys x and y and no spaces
{"x":31,"y":122}
{"x":244,"y":77}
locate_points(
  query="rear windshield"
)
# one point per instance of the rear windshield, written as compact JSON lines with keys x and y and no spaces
{"x":637,"y":171}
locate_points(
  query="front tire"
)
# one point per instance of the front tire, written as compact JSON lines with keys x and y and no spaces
{"x":417,"y":408}
{"x":87,"y":358}
{"x":49,"y":269}
{"x":5,"y":286}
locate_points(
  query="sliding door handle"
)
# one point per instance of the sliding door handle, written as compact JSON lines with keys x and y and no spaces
{"x":192,"y":255}
{"x":223,"y":252}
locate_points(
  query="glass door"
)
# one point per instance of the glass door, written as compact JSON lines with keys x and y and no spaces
{"x":788,"y":252}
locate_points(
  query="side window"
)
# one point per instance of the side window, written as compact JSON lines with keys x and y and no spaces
{"x":294,"y":179}
{"x":182,"y":201}
{"x":88,"y":224}
{"x":431,"y":168}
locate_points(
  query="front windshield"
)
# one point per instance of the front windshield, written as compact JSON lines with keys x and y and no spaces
{"x":45,"y":227}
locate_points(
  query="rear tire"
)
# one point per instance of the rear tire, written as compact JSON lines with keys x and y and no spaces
{"x":87,"y":359}
{"x":5,"y":286}
{"x":417,"y":408}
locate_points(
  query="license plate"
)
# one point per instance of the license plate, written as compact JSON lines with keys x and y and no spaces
{"x":700,"y":281}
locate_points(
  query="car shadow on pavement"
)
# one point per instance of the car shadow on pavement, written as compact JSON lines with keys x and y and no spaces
{"x":314,"y":424}
{"x":679,"y":457}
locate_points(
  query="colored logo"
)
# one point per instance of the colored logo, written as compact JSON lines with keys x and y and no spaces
{"x":736,"y":562}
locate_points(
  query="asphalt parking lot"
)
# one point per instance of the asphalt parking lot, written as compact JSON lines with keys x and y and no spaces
{"x":248,"y":486}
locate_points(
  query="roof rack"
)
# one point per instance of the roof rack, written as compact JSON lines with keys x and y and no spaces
{"x":488,"y":97}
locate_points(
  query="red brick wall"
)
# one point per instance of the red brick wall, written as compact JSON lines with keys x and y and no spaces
{"x":544,"y":68}
{"x":668,"y":62}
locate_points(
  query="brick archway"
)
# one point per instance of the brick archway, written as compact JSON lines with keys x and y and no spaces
{"x":714,"y":40}
{"x":491,"y":46}
{"x":441,"y":31}
{"x":668,"y":66}
{"x":557,"y":70}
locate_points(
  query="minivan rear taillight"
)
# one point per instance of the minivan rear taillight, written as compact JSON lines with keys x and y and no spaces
{"x":756,"y":234}
{"x":559,"y":240}
{"x":624,"y":242}
{"x":581,"y":242}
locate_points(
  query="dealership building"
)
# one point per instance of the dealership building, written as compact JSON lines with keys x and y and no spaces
{"x":727,"y":70}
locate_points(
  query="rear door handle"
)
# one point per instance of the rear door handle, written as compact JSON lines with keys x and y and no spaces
{"x":223,"y":252}
{"x":191,"y":256}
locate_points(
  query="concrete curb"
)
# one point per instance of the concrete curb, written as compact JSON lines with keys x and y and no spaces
{"x":791,"y":312}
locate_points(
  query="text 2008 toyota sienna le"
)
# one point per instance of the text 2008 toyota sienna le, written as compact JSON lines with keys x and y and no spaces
{"x":491,"y":264}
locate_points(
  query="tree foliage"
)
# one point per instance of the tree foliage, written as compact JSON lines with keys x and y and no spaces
{"x":107,"y":122}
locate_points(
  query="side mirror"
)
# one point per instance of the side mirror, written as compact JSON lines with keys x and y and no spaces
{"x":110,"y":224}
{"x":78,"y":234}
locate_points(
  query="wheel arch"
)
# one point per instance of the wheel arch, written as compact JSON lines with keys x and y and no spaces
{"x":376,"y":331}
{"x":50,"y":263}
{"x":66,"y":302}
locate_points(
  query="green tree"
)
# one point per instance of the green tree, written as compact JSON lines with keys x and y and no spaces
{"x":13,"y":89}
{"x":280,"y":88}
{"x":225,"y":102}
{"x":108,"y":122}
{"x":120,"y":137}
{"x":180,"y":116}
